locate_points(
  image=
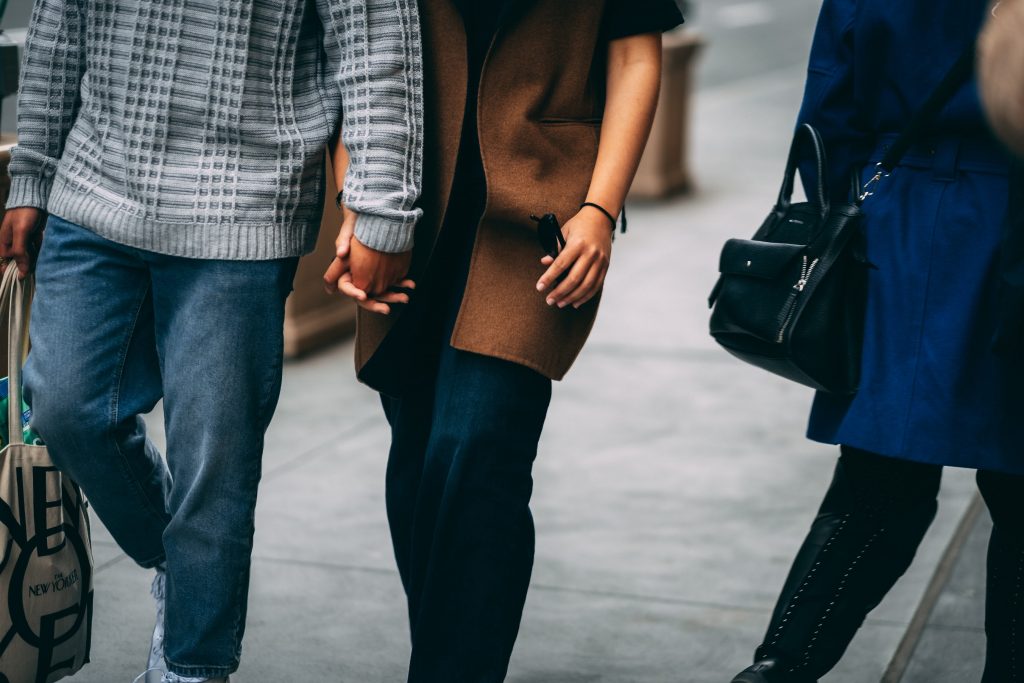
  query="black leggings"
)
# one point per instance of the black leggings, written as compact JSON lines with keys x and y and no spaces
{"x":864,"y":538}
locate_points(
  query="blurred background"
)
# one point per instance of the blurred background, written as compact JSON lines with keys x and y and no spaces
{"x":673,"y":486}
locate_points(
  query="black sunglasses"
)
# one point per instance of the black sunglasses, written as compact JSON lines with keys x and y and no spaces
{"x":549,"y":233}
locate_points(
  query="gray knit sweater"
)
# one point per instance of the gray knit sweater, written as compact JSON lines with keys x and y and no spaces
{"x":198,"y":128}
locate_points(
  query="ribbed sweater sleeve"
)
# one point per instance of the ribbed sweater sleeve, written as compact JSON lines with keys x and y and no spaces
{"x":374,"y":57}
{"x":54,"y":62}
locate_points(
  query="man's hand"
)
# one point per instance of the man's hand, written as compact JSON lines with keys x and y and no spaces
{"x":585,"y":259}
{"x":20,"y":236}
{"x":376,"y":272}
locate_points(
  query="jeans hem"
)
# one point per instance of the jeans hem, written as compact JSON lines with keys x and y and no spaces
{"x":201,"y":670}
{"x":152,"y":563}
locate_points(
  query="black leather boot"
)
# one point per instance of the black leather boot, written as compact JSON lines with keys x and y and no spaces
{"x":868,"y":528}
{"x":769,"y":671}
{"x":1004,"y":600}
{"x":1004,"y":611}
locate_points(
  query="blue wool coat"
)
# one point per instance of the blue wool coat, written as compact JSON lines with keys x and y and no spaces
{"x":932,"y":390}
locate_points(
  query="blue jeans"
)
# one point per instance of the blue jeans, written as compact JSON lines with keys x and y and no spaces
{"x":114,"y":330}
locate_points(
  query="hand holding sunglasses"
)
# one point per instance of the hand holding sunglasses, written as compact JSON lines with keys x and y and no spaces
{"x":578,"y":256}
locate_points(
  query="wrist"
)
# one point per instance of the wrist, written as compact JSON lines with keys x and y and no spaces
{"x":606,"y":202}
{"x":383,"y":234}
{"x":611,"y":217}
{"x":598,"y":211}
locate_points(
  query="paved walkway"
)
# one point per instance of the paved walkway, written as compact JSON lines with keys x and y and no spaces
{"x":673,"y":485}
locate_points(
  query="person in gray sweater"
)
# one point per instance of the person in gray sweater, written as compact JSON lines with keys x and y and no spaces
{"x":174,"y":154}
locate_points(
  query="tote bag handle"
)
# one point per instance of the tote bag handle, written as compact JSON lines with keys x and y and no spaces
{"x":14,"y":296}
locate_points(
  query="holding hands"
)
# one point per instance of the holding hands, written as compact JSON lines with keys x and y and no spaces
{"x":369,"y":277}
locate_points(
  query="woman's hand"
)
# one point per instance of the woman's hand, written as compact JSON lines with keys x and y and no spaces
{"x":634,"y":77}
{"x":585,"y":260}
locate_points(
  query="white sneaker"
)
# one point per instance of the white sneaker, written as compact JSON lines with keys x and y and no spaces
{"x":156,"y":648}
{"x":150,"y":676}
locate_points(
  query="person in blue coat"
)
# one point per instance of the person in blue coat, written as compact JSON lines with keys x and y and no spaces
{"x":933,"y":392}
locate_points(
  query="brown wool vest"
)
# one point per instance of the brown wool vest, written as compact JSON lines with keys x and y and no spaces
{"x":539,"y":114}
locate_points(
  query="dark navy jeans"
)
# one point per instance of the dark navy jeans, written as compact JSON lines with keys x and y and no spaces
{"x":114,"y":330}
{"x":458,"y":496}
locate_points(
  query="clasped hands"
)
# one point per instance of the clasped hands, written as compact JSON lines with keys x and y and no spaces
{"x":377,"y":280}
{"x":373,"y":279}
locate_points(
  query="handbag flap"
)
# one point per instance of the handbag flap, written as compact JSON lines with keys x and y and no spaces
{"x":757,"y":259}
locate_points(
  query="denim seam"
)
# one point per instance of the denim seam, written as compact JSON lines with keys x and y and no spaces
{"x":114,"y":403}
{"x":266,"y":415}
{"x":242,"y":581}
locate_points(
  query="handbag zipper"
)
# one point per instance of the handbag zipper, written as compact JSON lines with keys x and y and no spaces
{"x":806,"y":270}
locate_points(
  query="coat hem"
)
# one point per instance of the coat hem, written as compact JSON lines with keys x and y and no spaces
{"x":908,"y":457}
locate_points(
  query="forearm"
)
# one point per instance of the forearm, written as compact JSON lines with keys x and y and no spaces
{"x":48,"y":100}
{"x":382,"y":120}
{"x":634,"y":81}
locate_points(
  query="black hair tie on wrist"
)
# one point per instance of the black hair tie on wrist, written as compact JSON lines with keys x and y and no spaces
{"x":608,"y":213}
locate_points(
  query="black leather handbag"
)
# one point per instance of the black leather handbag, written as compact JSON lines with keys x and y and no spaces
{"x":792,"y":299}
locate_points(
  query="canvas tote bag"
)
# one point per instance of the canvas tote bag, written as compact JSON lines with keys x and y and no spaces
{"x":45,"y":546}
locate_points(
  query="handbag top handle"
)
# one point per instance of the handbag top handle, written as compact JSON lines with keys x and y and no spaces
{"x":809,"y":135}
{"x":14,"y":296}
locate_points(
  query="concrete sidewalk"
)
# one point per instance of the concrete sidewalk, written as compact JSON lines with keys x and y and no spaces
{"x":672,"y":489}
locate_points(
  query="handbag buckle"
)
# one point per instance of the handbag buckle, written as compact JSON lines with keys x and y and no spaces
{"x":880,"y":173}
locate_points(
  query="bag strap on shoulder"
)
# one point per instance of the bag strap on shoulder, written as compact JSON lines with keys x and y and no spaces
{"x":922,"y":121}
{"x":933,"y":106}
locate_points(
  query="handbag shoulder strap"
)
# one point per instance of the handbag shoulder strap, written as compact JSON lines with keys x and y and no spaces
{"x":922,"y":121}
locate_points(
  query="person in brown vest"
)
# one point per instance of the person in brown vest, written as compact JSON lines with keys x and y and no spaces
{"x":533,"y":107}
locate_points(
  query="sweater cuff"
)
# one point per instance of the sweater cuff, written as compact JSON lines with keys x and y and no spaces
{"x":382,"y":234}
{"x":29,"y":191}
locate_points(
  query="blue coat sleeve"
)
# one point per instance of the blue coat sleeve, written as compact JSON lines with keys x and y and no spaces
{"x":830,"y":97}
